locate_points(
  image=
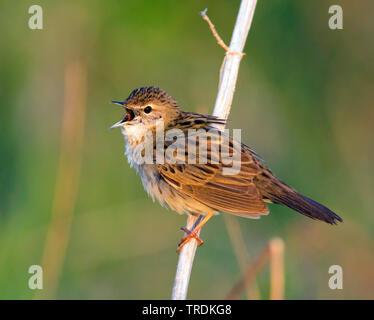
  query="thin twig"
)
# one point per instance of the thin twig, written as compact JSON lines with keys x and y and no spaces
{"x":273,"y":252}
{"x":67,"y":178}
{"x":241,"y":252}
{"x":219,"y":41}
{"x":251,"y":273}
{"x":221,"y":109}
{"x":215,"y":33}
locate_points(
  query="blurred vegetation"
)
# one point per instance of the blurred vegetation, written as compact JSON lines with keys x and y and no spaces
{"x":304,"y":100}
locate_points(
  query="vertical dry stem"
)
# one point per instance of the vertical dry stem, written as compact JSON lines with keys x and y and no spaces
{"x":277,"y":269}
{"x":222,"y":107}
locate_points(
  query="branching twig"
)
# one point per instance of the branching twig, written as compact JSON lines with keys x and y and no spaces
{"x":219,"y":41}
{"x":221,"y":109}
{"x":215,"y":34}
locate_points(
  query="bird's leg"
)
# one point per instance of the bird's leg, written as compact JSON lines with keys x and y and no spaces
{"x":193,"y":234}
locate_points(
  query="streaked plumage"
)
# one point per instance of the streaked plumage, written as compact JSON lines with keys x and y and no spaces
{"x":203,"y":188}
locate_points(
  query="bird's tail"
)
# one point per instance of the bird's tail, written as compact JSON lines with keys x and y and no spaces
{"x":279,"y":192}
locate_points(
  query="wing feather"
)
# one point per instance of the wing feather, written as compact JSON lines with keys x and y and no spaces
{"x":207,"y":183}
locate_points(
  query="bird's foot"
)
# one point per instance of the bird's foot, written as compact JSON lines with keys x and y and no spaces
{"x":187,"y":238}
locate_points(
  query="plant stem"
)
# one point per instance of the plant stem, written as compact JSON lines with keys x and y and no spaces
{"x":228,"y":77}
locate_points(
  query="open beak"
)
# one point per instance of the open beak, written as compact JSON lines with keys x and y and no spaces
{"x":127,"y":117}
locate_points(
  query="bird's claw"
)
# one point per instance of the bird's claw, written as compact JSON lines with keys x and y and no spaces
{"x":187,"y":238}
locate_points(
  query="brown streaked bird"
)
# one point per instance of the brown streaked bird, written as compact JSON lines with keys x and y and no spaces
{"x":203,"y":188}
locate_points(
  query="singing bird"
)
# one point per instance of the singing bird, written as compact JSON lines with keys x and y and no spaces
{"x":202,"y":188}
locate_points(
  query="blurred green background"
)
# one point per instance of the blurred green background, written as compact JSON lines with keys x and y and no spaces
{"x":304,"y":100}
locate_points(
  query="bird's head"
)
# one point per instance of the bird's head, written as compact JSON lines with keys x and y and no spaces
{"x":145,"y":107}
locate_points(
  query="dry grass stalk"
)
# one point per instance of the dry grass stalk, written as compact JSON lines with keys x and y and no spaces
{"x":241,"y":253}
{"x":222,"y":107}
{"x":67,"y":176}
{"x":277,"y":269}
{"x":252,"y":271}
{"x":273,"y":252}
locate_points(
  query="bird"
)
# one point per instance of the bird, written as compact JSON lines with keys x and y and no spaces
{"x":201,"y":188}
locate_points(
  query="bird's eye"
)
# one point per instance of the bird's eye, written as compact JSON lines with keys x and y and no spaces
{"x":147,"y":109}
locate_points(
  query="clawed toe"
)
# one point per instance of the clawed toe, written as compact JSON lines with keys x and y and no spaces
{"x":187,"y":238}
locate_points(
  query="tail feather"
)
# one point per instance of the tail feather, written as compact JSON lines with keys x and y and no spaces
{"x":279,"y":192}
